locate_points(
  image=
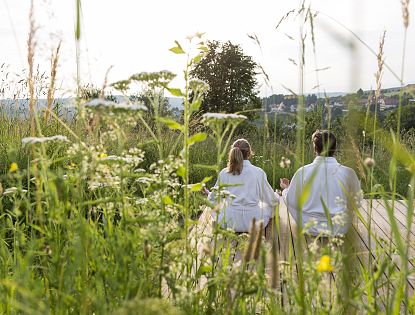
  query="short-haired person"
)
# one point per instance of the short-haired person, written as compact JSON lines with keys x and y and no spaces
{"x":248,"y":193}
{"x":334,"y":190}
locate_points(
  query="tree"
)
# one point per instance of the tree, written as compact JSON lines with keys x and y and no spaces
{"x":360,"y":93}
{"x":231,"y":78}
{"x":407,"y":118}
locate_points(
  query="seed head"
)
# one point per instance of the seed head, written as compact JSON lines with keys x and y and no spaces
{"x":252,"y":237}
{"x":258,"y":240}
{"x":147,"y":249}
{"x":369,"y":162}
{"x":405,"y":13}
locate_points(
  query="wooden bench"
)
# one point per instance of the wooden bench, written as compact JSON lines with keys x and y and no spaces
{"x":365,"y":248}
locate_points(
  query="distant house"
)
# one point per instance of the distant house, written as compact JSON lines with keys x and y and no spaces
{"x":310,"y":108}
{"x":386,"y":103}
{"x":293,"y":109}
{"x":277,"y":108}
{"x":363,"y":102}
{"x":338,"y":104}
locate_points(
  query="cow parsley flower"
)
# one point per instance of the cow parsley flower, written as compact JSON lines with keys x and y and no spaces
{"x":32,"y":140}
{"x":214,"y":117}
{"x":101,"y":103}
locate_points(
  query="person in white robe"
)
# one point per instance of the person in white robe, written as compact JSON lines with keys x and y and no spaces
{"x":322,"y":195}
{"x":242,"y":191}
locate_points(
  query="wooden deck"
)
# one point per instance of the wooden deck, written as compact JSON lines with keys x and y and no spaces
{"x":367,"y":248}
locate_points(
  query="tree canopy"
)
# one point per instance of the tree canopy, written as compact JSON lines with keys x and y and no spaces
{"x":231,"y":76}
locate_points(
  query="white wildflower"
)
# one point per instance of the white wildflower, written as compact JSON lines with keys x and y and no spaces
{"x":285,"y":163}
{"x":219,"y":116}
{"x":198,"y":85}
{"x":32,"y":140}
{"x":141,"y":201}
{"x":340,"y":219}
{"x":12,"y":191}
{"x":144,"y":180}
{"x":101,"y":103}
{"x":313,"y":247}
{"x":97,"y":102}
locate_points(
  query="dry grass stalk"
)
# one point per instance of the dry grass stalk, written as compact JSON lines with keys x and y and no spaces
{"x":258,"y":241}
{"x":379,"y":72}
{"x":31,"y":47}
{"x":53,"y":70}
{"x":405,"y":13}
{"x":104,"y":86}
{"x":252,"y":236}
{"x":359,"y":164}
{"x":275,"y":271}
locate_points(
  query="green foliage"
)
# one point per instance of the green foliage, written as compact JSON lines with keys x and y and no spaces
{"x":407,"y":118}
{"x":230,"y":75}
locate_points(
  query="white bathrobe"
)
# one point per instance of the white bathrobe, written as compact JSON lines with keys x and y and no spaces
{"x":244,"y":197}
{"x":330,"y":185}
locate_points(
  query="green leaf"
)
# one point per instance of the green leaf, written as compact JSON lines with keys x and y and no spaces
{"x":171,"y":123}
{"x":195,"y":105}
{"x":204,"y":166}
{"x":203,"y":48}
{"x":175,"y":92}
{"x":198,"y":137}
{"x":181,"y":171}
{"x":167,"y":200}
{"x":197,"y":58}
{"x":306,"y":190}
{"x":206,"y":179}
{"x":204,"y":269}
{"x":177,"y":49}
{"x":327,"y":213}
{"x":78,"y":20}
{"x":196,"y":187}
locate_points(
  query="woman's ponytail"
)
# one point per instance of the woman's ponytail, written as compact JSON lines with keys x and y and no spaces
{"x":240,"y":151}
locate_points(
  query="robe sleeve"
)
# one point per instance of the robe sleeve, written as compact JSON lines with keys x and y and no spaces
{"x":290,"y":194}
{"x":269,"y":198}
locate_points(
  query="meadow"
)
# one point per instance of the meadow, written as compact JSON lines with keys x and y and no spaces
{"x":97,"y":213}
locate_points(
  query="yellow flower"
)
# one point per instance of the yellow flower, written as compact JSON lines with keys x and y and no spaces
{"x":324,"y":264}
{"x":71,"y":166}
{"x":13,"y":167}
{"x":102,"y":155}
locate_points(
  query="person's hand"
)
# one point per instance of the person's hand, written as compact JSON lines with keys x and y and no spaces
{"x":284,"y":183}
{"x":205,"y":191}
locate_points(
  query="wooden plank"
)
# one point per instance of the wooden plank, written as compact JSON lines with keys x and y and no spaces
{"x":288,"y":251}
{"x":382,"y":228}
{"x":401,"y":206}
{"x":401,"y":219}
{"x":370,"y":242}
{"x":361,"y":253}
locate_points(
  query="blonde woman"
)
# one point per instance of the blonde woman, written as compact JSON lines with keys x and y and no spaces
{"x":244,"y":191}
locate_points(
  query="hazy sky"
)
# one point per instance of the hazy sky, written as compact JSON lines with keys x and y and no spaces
{"x":135,"y":36}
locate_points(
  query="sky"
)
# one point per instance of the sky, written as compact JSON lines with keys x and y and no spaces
{"x":135,"y":36}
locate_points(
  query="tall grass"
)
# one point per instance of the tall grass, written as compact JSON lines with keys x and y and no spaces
{"x":103,"y":218}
